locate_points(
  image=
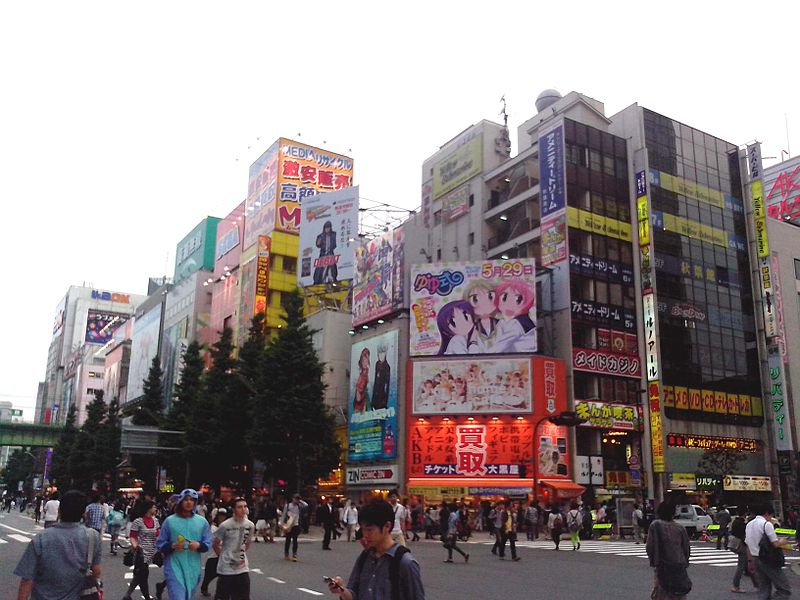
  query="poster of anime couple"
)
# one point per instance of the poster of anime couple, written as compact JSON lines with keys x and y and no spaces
{"x":485,"y":307}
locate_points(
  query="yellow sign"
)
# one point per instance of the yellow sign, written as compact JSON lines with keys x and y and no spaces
{"x":643,"y":216}
{"x":463,"y":163}
{"x":587,"y":221}
{"x":682,"y":481}
{"x":437,"y":493}
{"x":691,"y":189}
{"x":656,"y":432}
{"x":306,"y":171}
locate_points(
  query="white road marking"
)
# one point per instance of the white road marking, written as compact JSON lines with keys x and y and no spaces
{"x":2,"y":541}
{"x":257,"y":571}
{"x":17,"y":530}
{"x":312,"y":592}
{"x":128,"y":575}
{"x":19,"y":538}
{"x":276,"y":580}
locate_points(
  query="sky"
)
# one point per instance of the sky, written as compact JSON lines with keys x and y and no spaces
{"x":122,"y":125}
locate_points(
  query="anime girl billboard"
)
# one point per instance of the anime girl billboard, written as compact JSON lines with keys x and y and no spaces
{"x":372,"y":400}
{"x":486,"y":307}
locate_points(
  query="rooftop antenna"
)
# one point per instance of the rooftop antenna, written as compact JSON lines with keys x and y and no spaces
{"x":786,"y":123}
{"x":503,"y":112}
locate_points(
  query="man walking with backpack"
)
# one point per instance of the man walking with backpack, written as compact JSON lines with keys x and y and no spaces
{"x":556,"y":525}
{"x":385,"y":569}
{"x":574,"y":525}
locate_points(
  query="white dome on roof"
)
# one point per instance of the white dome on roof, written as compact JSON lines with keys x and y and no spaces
{"x":546,"y":98}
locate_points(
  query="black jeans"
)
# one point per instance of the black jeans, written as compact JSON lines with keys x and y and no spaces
{"x":326,"y":539}
{"x":291,"y":538}
{"x":209,"y":574}
{"x":511,"y":538}
{"x":141,"y":575}
{"x":722,"y":533}
{"x":450,"y":544}
{"x":233,"y":587}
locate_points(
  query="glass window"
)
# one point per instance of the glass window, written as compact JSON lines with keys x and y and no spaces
{"x":595,"y":161}
{"x":615,"y":294}
{"x":437,"y":217}
{"x":598,"y":207}
{"x":601,"y":291}
{"x":608,"y":165}
{"x":289,"y":264}
{"x":796,"y":268}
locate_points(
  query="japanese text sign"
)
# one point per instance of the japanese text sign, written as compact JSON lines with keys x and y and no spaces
{"x":605,"y":415}
{"x":552,"y":180}
{"x":777,"y":399}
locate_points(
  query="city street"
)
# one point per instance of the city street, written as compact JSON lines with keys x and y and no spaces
{"x":598,"y":570}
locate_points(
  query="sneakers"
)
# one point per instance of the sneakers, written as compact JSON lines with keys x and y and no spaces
{"x":516,"y":558}
{"x":286,"y":557}
{"x":738,"y":590}
{"x":579,"y":545}
{"x":466,"y":558}
{"x":449,"y":560}
{"x":294,"y":559}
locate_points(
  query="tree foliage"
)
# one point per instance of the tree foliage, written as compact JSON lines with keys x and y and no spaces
{"x":149,"y":411}
{"x":20,"y":467}
{"x":720,"y":462}
{"x":60,"y":463}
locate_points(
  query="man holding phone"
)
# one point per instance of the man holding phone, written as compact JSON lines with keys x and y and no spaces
{"x":384,"y":565}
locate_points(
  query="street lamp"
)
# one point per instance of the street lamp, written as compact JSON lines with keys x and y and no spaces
{"x":568,"y":418}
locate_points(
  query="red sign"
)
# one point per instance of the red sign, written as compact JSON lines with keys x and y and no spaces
{"x":606,"y":363}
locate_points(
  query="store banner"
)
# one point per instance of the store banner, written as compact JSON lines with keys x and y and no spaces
{"x":656,"y":431}
{"x":746,"y":483}
{"x":378,"y":475}
{"x":605,"y":363}
{"x":604,"y":415}
{"x":682,"y":481}
{"x":778,"y":401}
{"x":552,"y":173}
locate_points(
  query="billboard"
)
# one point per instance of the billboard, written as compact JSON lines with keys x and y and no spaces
{"x":372,"y":400}
{"x":553,"y":182}
{"x":480,"y":386}
{"x":261,"y":195}
{"x":782,"y":190}
{"x":484,"y":307}
{"x":378,"y":277}
{"x":328,"y":226}
{"x":101,"y":325}
{"x":455,"y":204}
{"x":143,"y":348}
{"x":463,"y":163}
{"x":306,"y":171}
{"x":262,"y":274}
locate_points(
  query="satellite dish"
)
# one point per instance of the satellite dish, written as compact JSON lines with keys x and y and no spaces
{"x":547,"y":98}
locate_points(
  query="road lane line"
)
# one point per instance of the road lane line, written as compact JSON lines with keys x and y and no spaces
{"x":128,"y":575}
{"x":257,"y":571}
{"x":17,"y":530}
{"x":19,"y":538}
{"x":2,"y":541}
{"x":312,"y":592}
{"x":276,"y":580}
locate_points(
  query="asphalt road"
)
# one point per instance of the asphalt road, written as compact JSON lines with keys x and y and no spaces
{"x":599,"y":570}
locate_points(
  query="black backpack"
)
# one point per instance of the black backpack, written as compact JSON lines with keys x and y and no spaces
{"x":394,"y":569}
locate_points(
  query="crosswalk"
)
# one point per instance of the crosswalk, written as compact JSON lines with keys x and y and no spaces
{"x":701,"y":554}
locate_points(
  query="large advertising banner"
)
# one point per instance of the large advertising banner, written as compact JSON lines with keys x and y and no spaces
{"x":378,"y":277}
{"x":262,"y":275}
{"x":143,"y":348}
{"x":101,"y":325}
{"x":261,"y":196}
{"x":552,"y":179}
{"x":782,"y":190}
{"x":372,"y":403}
{"x":306,"y":171}
{"x":455,"y":204}
{"x":480,"y":386}
{"x":486,"y":307}
{"x":460,"y":165}
{"x":328,"y":226}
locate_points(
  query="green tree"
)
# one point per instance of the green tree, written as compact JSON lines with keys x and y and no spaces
{"x":720,"y":462}
{"x":88,"y":458}
{"x":60,"y":471}
{"x":108,"y":442}
{"x":292,"y":429}
{"x":19,"y":467}
{"x":149,"y":411}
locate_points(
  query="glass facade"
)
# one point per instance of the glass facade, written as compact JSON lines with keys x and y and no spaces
{"x":709,"y":360}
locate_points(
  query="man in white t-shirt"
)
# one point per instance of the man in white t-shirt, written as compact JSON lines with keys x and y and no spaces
{"x":51,"y":511}
{"x":232,"y":539}
{"x":400,"y":517}
{"x":766,"y":575}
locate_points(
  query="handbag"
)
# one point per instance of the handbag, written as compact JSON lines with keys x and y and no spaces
{"x":129,"y":558}
{"x":92,"y":588}
{"x":734,"y":544}
{"x":673,"y":578}
{"x":769,"y":554}
{"x":158,"y":559}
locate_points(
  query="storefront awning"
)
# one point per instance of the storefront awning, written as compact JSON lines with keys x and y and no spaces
{"x":563,"y":488}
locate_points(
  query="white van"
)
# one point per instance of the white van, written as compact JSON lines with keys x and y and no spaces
{"x":693,"y":517}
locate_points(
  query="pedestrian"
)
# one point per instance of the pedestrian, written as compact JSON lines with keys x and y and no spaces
{"x":116,"y":518}
{"x":328,"y":515}
{"x":261,"y":520}
{"x":532,"y":521}
{"x":668,"y":549}
{"x":496,"y":521}
{"x":231,"y":542}
{"x":183,"y":537}
{"x":385,"y":569}
{"x":144,"y":533}
{"x":508,"y":531}
{"x":350,"y":519}
{"x":736,"y":544}
{"x":37,"y":509}
{"x":555,"y":523}
{"x":416,"y":521}
{"x":54,"y":564}
{"x":761,"y":539}
{"x":93,"y":516}
{"x":400,"y":518}
{"x":51,"y":509}
{"x":723,"y":520}
{"x":210,"y":570}
{"x":638,"y":522}
{"x":450,"y":537}
{"x":574,"y":523}
{"x":290,"y":522}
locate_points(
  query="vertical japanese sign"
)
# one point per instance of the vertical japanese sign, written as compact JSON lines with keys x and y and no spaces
{"x":656,"y":430}
{"x":650,"y":312}
{"x":781,"y":422}
{"x":306,"y":171}
{"x":552,"y":180}
{"x":762,"y":243}
{"x":781,"y":337}
{"x":262,"y":275}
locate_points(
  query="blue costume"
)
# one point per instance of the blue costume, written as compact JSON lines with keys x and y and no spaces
{"x":182,"y":568}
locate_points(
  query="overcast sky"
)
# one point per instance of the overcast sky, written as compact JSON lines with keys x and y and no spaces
{"x":123,"y":124}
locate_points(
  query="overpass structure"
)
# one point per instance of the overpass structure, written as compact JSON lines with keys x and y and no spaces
{"x":29,"y":434}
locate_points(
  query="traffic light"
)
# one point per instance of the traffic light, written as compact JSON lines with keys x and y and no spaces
{"x":568,"y":418}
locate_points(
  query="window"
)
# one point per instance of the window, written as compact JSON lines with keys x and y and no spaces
{"x":471,"y":238}
{"x":438,"y":254}
{"x":472,"y":199}
{"x":595,"y":161}
{"x":289,"y":264}
{"x":437,"y":217}
{"x":93,"y":375}
{"x":797,"y":268}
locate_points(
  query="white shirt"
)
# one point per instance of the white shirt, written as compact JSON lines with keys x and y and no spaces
{"x":637,"y":514}
{"x":755,"y":530}
{"x":399,"y":517}
{"x":51,"y":510}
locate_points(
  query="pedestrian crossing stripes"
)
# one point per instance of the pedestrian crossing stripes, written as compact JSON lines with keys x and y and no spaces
{"x":700,"y":555}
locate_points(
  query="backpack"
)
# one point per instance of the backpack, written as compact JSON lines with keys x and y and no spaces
{"x":558,"y":523}
{"x":394,"y":569}
{"x":573,"y":521}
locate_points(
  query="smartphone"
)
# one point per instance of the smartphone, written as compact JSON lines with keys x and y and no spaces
{"x":331,"y":581}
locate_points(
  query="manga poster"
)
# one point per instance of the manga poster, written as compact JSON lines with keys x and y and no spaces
{"x":485,"y":307}
{"x":480,"y":386}
{"x":372,"y":401}
{"x":378,"y":277}
{"x":328,"y":226}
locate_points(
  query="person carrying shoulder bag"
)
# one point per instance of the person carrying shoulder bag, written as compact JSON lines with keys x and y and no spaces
{"x":767,"y":552}
{"x":668,"y":549}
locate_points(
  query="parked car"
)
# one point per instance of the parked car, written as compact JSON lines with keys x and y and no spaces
{"x":693,"y":517}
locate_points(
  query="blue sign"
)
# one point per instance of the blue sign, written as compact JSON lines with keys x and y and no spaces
{"x":552,"y":182}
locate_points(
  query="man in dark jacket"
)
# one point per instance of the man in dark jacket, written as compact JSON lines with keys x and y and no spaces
{"x":380,"y":389}
{"x":327,"y":517}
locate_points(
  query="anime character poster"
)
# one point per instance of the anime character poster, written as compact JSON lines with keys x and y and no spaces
{"x":480,"y":386}
{"x":101,"y":325}
{"x":377,"y":282}
{"x":486,"y":307}
{"x":328,"y":226}
{"x":372,"y":398}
